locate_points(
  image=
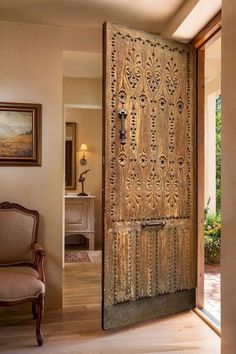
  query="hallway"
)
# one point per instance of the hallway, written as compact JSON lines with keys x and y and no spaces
{"x":76,"y":329}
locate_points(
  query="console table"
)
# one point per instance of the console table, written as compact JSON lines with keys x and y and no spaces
{"x":79,"y":217}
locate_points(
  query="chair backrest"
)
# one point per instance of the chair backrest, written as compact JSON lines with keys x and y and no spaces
{"x":18,"y":232}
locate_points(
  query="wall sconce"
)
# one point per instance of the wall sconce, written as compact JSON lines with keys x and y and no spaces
{"x":83,"y":148}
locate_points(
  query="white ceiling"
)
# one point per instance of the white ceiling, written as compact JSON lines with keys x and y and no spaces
{"x":198,"y":17}
{"x":156,"y":16}
{"x":149,"y":15}
{"x":179,"y":19}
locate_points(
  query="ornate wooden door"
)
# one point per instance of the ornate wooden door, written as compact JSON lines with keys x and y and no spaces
{"x":149,"y":206}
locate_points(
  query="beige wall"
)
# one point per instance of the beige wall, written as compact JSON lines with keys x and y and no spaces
{"x":82,"y":39}
{"x":228,"y":178}
{"x":31,"y":71}
{"x":89,"y":131}
{"x":82,"y":91}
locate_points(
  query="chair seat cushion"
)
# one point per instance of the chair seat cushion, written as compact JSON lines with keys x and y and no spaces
{"x":19,"y":283}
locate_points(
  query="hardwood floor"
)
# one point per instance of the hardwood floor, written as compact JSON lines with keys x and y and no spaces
{"x":77,"y":329}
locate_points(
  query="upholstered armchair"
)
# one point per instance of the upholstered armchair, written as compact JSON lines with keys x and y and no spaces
{"x":21,"y":261}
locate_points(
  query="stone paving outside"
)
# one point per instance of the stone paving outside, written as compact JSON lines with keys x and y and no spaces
{"x":212,"y":296}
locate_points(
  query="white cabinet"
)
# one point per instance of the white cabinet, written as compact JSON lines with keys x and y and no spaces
{"x":79,"y":217}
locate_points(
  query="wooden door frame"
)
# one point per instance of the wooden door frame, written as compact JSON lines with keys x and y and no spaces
{"x":208,"y":35}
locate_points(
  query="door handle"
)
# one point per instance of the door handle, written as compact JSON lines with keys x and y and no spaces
{"x":153,"y":223}
{"x":122,"y":115}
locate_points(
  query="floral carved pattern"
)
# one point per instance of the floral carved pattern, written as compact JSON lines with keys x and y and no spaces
{"x":133,"y":142}
{"x":163,"y":161}
{"x":171,"y":132}
{"x":122,"y":96}
{"x":133,"y":69}
{"x":153,"y":188}
{"x":122,"y":159}
{"x":143,"y":99}
{"x":153,"y":75}
{"x":180,"y":162}
{"x":171,"y":77}
{"x":180,"y":104}
{"x":133,"y":187}
{"x":162,"y":103}
{"x":172,"y":189}
{"x":143,"y":159}
{"x":153,"y":127}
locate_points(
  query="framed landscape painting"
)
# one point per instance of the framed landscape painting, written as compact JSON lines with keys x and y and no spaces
{"x":20,"y":134}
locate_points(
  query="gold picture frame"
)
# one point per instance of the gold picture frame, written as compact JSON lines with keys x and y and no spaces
{"x":20,"y":134}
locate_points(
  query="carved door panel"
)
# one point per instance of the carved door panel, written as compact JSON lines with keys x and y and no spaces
{"x":149,"y":212}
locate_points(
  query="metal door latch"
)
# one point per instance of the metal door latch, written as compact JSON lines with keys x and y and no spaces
{"x":153,"y":223}
{"x":122,"y":115}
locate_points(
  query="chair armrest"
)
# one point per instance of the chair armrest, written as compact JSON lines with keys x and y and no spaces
{"x":39,"y":260}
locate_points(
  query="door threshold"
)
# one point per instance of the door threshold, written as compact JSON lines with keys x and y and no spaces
{"x":208,"y":321}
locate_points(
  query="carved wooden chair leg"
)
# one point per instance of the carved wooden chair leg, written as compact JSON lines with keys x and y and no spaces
{"x":39,"y":311}
{"x":34,"y":310}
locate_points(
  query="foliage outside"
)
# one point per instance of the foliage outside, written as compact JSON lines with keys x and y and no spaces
{"x":212,"y":234}
{"x":212,"y":226}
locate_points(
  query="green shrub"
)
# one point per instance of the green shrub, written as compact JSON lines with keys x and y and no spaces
{"x":212,"y":228}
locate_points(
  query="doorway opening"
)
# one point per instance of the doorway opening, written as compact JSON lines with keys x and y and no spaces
{"x":209,"y":177}
{"x":212,"y":190}
{"x":82,"y":98}
{"x":79,"y":107}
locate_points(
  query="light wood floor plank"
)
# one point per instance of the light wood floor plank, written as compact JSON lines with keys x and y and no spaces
{"x":77,"y":328}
